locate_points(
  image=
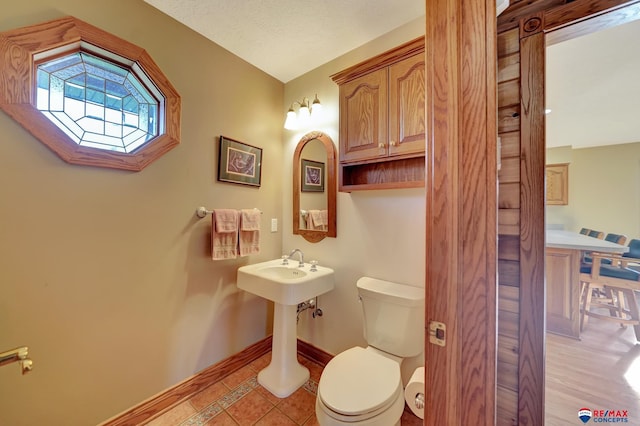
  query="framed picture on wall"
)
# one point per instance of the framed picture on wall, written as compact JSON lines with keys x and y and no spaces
{"x":239,"y":162}
{"x":312,"y":176}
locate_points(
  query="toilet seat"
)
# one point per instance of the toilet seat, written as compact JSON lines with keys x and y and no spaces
{"x":373,"y":386}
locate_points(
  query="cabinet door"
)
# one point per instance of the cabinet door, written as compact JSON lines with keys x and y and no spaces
{"x":406,"y":106}
{"x":563,"y":291}
{"x":363,"y":117}
{"x":557,"y":178}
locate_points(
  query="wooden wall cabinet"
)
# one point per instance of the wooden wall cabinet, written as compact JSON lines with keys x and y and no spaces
{"x":557,"y":184}
{"x":382,"y":120}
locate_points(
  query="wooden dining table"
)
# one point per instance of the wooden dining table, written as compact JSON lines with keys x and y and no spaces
{"x":563,"y":255}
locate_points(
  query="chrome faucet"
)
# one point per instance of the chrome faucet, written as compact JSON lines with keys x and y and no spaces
{"x":294,"y":251}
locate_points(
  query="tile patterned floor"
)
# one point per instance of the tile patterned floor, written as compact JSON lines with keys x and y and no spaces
{"x":238,"y":399}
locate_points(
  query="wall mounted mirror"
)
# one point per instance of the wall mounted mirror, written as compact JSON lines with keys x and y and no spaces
{"x":314,"y":187}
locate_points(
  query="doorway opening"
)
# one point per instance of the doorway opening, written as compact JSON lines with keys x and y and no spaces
{"x":591,"y":126}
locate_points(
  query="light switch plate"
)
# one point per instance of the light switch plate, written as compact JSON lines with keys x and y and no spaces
{"x":274,"y":225}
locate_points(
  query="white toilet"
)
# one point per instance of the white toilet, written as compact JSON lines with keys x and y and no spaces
{"x":363,"y":386}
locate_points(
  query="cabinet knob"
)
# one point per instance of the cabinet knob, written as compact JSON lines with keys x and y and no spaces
{"x":393,"y":143}
{"x":381,"y":145}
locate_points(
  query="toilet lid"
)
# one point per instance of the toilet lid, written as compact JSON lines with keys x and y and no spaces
{"x":359,"y":381}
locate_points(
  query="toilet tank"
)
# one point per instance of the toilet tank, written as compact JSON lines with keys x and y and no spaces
{"x":393,"y":316}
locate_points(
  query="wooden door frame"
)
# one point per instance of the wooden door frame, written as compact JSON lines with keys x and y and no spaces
{"x":557,"y":24}
{"x":461,"y":210}
{"x":461,"y":206}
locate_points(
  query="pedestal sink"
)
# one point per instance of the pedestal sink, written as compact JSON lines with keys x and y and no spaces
{"x":285,"y":285}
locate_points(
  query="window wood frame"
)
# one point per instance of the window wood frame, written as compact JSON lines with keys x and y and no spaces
{"x":19,"y":51}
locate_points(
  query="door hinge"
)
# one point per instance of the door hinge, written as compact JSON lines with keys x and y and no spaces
{"x":437,"y":334}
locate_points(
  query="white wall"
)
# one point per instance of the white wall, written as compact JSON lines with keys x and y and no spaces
{"x":604,"y":189}
{"x":380,"y":233}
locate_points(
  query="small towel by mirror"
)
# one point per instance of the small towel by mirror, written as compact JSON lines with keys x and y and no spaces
{"x":317,"y":220}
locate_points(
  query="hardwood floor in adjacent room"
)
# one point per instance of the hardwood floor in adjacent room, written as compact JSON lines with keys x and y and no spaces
{"x":599,"y":372}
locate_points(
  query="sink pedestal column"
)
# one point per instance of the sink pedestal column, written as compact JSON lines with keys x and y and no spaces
{"x":285,"y":374}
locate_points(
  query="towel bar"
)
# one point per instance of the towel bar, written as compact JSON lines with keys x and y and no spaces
{"x":202,"y":211}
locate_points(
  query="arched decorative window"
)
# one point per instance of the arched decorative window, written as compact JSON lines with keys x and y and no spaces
{"x":90,"y":96}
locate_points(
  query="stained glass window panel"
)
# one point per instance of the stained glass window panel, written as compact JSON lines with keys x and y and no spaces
{"x":70,"y":124}
{"x":56,"y":94}
{"x":113,"y":116}
{"x":113,"y":130}
{"x":102,"y":104}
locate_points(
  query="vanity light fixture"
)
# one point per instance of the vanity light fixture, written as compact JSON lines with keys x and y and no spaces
{"x":305,"y":113}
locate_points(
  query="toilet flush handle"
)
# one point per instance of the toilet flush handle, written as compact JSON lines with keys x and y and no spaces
{"x":419,"y":401}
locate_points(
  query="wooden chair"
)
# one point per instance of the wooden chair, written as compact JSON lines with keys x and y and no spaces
{"x":612,"y":287}
{"x":614,"y":238}
{"x":628,"y":259}
{"x":596,"y":234}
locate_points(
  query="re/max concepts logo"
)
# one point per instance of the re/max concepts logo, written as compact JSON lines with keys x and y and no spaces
{"x":603,"y":416}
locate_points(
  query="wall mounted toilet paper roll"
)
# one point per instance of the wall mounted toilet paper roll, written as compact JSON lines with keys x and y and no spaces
{"x":414,"y":388}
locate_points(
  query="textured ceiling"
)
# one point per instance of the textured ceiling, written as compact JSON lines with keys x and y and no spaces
{"x":592,"y":84}
{"x":593,"y":89}
{"x":287,"y":38}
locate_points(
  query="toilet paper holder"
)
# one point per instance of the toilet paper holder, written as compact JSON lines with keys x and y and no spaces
{"x":419,"y":401}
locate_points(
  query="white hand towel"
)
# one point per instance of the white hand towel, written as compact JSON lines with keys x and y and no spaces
{"x":224,"y":234}
{"x":249,"y":239}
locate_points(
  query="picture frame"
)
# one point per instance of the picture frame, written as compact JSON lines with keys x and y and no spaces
{"x":239,"y":162}
{"x":312,"y":176}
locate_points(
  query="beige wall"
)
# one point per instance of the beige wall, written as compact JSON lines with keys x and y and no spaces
{"x":106,"y":275}
{"x":380,"y":233}
{"x":604,"y":189}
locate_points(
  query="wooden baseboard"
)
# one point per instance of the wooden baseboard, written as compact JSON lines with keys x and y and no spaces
{"x":316,"y":355}
{"x":145,"y":411}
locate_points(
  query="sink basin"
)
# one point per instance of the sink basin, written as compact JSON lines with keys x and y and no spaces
{"x":285,"y":284}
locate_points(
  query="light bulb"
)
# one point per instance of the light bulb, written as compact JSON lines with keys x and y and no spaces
{"x":290,"y":122}
{"x":304,"y":115}
{"x":316,"y":108}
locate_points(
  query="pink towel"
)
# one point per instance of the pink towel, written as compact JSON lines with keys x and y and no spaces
{"x":224,"y":234}
{"x":249,"y":239}
{"x":316,"y":220}
{"x":324,"y":219}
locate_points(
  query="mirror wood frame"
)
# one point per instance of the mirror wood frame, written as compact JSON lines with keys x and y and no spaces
{"x":330,"y":187}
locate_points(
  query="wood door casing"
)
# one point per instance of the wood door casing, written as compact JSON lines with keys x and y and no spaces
{"x":461,"y":210}
{"x":508,"y":227}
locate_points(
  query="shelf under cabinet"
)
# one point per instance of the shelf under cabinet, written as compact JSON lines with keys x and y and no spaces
{"x":387,"y":174}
